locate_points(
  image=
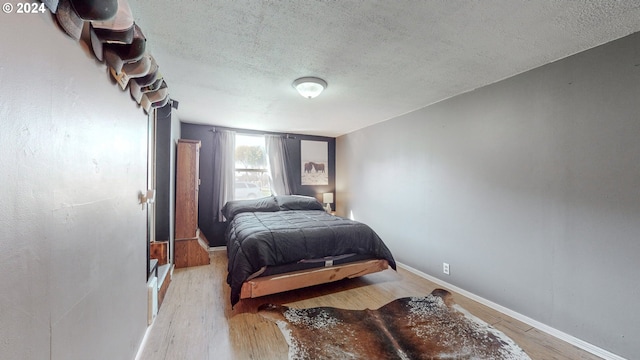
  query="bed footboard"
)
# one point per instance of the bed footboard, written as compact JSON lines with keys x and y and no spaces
{"x":267,"y":285}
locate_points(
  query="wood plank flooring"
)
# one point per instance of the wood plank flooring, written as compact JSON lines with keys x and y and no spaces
{"x":196,"y":320}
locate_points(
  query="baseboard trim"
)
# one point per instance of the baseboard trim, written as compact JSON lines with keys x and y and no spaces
{"x":217,"y":248}
{"x":143,"y":342}
{"x":525,"y":319}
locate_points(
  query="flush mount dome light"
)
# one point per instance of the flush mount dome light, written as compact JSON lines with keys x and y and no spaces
{"x":310,"y":87}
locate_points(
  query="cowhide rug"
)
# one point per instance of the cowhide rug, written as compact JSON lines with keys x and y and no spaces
{"x":430,"y":327}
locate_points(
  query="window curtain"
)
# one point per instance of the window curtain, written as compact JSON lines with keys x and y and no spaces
{"x":277,"y":155}
{"x":224,"y":170}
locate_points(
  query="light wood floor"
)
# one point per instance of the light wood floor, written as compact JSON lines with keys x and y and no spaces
{"x":196,"y":320}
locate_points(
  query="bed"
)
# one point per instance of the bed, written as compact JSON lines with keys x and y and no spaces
{"x":281,"y":243}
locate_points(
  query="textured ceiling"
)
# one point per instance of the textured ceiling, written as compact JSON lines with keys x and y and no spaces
{"x":231,"y":63}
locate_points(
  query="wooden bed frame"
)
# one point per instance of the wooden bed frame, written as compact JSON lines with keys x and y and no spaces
{"x":267,"y":285}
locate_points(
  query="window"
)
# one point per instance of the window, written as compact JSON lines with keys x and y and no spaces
{"x":252,"y":173}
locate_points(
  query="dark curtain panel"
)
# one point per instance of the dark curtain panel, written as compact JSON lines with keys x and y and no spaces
{"x":291,"y":145}
{"x":223,"y":170}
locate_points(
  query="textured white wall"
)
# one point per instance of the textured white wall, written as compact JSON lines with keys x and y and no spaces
{"x":72,"y":235}
{"x":529,"y":188}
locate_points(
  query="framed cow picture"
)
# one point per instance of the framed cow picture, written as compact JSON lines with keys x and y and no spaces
{"x":315,"y":162}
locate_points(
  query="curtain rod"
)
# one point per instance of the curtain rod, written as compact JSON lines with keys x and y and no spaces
{"x":286,"y":136}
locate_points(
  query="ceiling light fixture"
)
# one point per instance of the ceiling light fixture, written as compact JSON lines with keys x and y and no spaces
{"x":310,"y":87}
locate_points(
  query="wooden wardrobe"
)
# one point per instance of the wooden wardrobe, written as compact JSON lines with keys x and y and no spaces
{"x":190,"y":245}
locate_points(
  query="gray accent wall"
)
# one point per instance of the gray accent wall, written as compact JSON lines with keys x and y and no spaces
{"x":204,"y":133}
{"x":529,"y":188}
{"x":73,"y":158}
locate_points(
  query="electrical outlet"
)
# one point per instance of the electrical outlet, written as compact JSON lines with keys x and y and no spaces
{"x":445,"y":268}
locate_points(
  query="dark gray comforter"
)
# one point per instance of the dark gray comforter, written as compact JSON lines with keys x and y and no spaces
{"x":258,"y":239}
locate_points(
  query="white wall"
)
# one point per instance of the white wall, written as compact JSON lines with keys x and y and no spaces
{"x":72,"y":234}
{"x":529,"y":188}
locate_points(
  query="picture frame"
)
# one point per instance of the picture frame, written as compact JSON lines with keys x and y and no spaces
{"x":315,"y":162}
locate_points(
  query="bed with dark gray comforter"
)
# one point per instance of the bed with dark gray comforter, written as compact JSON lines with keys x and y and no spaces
{"x":281,"y":231}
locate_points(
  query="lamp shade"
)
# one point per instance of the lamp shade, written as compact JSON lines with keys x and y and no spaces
{"x":327,"y":198}
{"x":309,"y":87}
